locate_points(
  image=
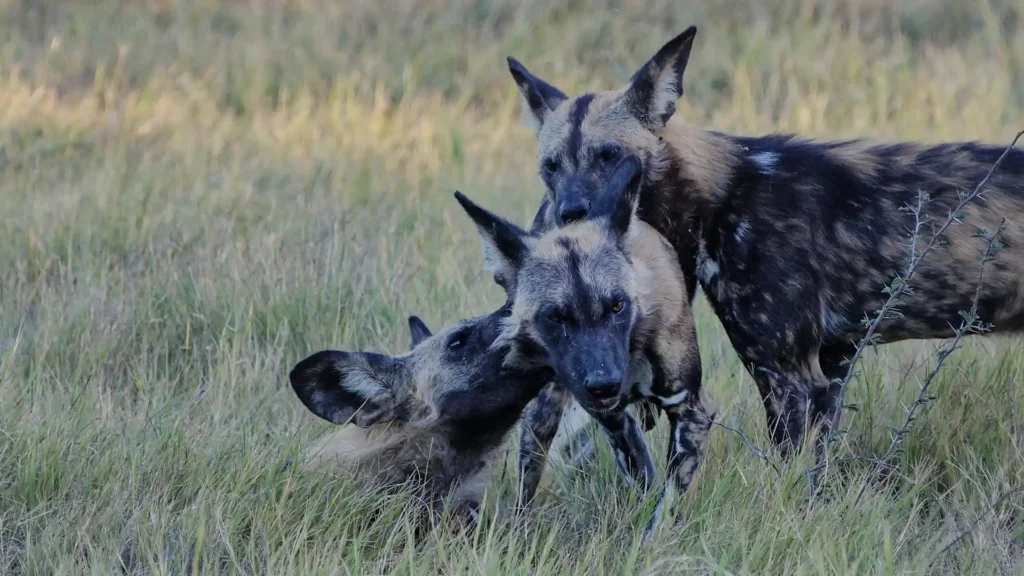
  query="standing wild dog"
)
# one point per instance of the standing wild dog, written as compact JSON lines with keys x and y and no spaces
{"x":792,"y":240}
{"x":435,"y":416}
{"x":604,"y":303}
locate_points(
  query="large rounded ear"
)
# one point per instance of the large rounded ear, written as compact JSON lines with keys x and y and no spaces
{"x":505,"y":246}
{"x":343,"y":387}
{"x":653,"y":90}
{"x":539,"y":97}
{"x":419,"y":331}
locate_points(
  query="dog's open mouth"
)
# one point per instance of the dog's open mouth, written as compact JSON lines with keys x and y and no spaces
{"x":605,"y":404}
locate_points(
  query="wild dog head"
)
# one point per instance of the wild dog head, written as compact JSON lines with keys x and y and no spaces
{"x":454,"y":382}
{"x":580,"y":139}
{"x":574,"y":297}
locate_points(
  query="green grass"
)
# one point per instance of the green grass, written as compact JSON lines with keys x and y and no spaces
{"x":195,"y":196}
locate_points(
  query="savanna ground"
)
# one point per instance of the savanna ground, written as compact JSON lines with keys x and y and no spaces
{"x":196,"y":195}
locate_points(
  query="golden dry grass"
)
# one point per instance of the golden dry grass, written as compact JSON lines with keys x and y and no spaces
{"x":195,"y":195}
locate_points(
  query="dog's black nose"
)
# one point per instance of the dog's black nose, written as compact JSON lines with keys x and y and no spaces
{"x":603,"y":386}
{"x":573,"y":211}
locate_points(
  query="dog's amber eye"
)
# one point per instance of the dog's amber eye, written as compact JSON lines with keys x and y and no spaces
{"x":551,"y":166}
{"x":618,"y":306}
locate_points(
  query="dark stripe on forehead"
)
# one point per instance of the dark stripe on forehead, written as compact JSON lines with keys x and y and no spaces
{"x":582,"y":295}
{"x":577,"y":112}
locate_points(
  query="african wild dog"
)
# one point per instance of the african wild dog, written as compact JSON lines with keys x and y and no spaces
{"x":604,"y":303}
{"x":792,"y":240}
{"x":435,"y":416}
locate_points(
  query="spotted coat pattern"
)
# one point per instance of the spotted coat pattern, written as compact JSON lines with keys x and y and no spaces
{"x":791,"y":240}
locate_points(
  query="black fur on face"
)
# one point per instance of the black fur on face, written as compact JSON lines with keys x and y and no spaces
{"x":587,"y":343}
{"x":582,"y":138}
{"x":580,"y":286}
{"x":587,"y":335}
{"x":490,"y":394}
{"x":455,"y":382}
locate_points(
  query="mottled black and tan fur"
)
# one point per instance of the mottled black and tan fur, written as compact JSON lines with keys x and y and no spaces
{"x":791,"y":240}
{"x":434,"y":417}
{"x":603,"y":302}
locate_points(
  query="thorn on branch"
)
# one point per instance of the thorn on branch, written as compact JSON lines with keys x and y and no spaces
{"x":900,"y":287}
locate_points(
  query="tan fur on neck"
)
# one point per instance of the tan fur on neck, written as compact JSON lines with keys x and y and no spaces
{"x":706,"y":158}
{"x":351,"y":446}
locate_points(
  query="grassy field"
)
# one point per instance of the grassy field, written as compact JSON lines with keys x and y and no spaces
{"x":196,"y":195}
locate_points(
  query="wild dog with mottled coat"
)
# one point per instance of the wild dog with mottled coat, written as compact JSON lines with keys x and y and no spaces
{"x":435,"y":416}
{"x":603,"y":302}
{"x":792,"y":240}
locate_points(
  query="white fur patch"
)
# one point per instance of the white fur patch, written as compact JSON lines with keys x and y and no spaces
{"x":707,"y":269}
{"x":766,"y":161}
{"x":527,"y":116}
{"x":574,"y":418}
{"x":669,"y":497}
{"x":674,"y":399}
{"x":495,"y":260}
{"x":344,"y":446}
{"x":741,"y":231}
{"x":832,"y":324}
{"x":664,"y":503}
{"x":362,"y":384}
{"x":665,"y":94}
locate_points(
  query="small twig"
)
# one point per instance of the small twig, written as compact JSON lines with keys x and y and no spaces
{"x":978,"y":520}
{"x":753,"y":448}
{"x":900,"y":285}
{"x":971,"y":324}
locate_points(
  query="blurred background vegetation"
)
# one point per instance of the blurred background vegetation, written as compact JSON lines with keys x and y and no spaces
{"x":197,"y":194}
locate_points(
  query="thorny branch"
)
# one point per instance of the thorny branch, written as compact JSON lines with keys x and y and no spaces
{"x":970,"y":324}
{"x":753,"y":448}
{"x":900,"y":286}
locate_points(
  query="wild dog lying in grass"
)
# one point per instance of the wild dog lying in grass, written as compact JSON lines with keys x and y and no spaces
{"x":603,"y":302}
{"x":792,"y":241}
{"x":435,"y":416}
